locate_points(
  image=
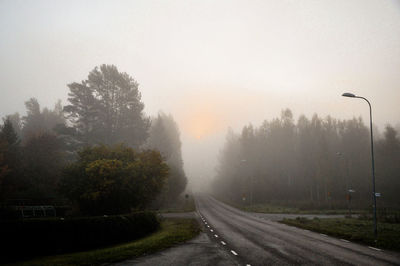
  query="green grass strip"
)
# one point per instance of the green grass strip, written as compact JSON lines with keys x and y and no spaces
{"x":277,"y":209}
{"x":173,"y":231}
{"x":281,"y":209}
{"x":354,"y":230}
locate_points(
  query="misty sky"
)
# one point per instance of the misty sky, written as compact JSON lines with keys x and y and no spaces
{"x":211,"y":64}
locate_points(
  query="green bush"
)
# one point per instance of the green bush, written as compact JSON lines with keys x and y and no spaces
{"x":113,"y":180}
{"x":35,"y":237}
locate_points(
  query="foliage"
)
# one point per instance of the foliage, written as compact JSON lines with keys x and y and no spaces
{"x":33,"y":164}
{"x":173,"y":231}
{"x":106,"y":108}
{"x":37,"y":121}
{"x":16,"y":123}
{"x":388,"y":165}
{"x":52,"y":236}
{"x":164,"y":136}
{"x":109,"y":180}
{"x":352,"y":229}
{"x":315,"y":161}
{"x":9,"y":159}
{"x":9,"y":134}
{"x":3,"y":167}
{"x":43,"y":160}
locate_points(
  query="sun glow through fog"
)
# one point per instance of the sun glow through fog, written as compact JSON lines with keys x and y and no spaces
{"x":202,"y":124}
{"x":209,"y":112}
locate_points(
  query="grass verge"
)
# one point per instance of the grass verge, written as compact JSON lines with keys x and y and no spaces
{"x":270,"y":208}
{"x":355,"y":230}
{"x":281,"y":209}
{"x":173,"y":231}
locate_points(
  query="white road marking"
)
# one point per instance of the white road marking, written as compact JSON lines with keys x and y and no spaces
{"x":375,"y":248}
{"x":223,"y":243}
{"x":248,"y":265}
{"x":208,"y":226}
{"x":216,"y":235}
{"x":211,"y":230}
{"x":234,"y":253}
{"x":323,"y":235}
{"x":344,"y":240}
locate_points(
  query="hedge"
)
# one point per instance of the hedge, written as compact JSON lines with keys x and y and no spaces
{"x":37,"y":237}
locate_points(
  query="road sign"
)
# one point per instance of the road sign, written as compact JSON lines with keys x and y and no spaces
{"x":377,"y":194}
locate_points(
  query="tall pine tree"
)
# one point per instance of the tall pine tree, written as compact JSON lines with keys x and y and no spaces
{"x":107,"y":108}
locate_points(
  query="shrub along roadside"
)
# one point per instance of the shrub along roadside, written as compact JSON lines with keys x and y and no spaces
{"x":180,"y":205}
{"x":38,"y":237}
{"x":355,"y":230}
{"x":173,"y":231}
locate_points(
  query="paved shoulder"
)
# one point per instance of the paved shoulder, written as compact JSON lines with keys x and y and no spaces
{"x":199,"y":251}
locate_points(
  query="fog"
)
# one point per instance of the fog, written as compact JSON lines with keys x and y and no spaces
{"x":212,"y":65}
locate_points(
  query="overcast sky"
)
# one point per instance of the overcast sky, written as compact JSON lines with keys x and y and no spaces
{"x":211,"y":64}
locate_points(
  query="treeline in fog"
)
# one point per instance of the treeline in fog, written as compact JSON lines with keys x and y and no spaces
{"x":100,"y":151}
{"x":309,"y":162}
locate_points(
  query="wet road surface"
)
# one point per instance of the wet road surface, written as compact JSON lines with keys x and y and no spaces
{"x":233,"y":237}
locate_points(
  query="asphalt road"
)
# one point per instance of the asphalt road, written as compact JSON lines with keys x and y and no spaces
{"x":234,"y":237}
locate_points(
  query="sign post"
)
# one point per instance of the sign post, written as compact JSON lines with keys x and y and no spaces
{"x":349,"y":199}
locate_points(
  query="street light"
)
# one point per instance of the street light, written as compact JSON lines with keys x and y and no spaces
{"x":351,"y":95}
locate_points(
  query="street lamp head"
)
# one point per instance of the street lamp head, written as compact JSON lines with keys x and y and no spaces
{"x":348,"y":94}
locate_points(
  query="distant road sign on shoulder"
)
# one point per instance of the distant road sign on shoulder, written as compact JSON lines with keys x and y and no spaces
{"x":377,"y":194}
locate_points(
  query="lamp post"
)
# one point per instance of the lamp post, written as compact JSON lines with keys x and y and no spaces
{"x":351,"y":95}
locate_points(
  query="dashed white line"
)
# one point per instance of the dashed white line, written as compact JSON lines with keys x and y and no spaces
{"x":248,"y":265}
{"x":344,"y":240}
{"x":234,"y":253}
{"x":223,"y":243}
{"x":216,"y":236}
{"x":211,"y":230}
{"x":208,"y":226}
{"x":375,"y":248}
